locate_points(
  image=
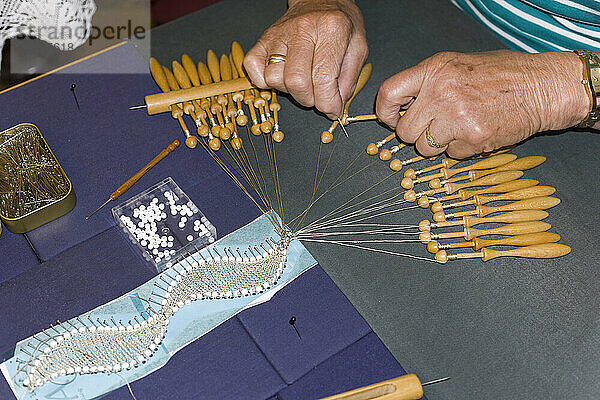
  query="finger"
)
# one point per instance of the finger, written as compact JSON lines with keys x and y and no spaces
{"x":460,"y":149}
{"x":274,"y":71}
{"x":437,"y":132}
{"x":414,"y":122}
{"x":254,"y":64}
{"x":327,"y":65}
{"x":397,"y":91}
{"x":351,"y":65}
{"x":297,"y":77}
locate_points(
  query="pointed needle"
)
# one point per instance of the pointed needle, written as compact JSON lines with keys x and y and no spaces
{"x":98,"y":209}
{"x":435,"y":381}
{"x":343,"y":128}
{"x":137,"y":107}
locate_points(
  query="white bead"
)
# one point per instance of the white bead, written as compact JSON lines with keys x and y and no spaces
{"x":147,"y":353}
{"x":190,"y":238}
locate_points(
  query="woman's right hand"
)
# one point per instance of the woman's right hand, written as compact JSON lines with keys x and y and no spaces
{"x":325,"y":46}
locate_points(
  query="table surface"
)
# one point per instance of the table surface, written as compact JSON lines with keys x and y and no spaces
{"x":507,"y":328}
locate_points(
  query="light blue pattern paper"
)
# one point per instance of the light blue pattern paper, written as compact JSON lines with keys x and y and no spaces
{"x":188,"y":324}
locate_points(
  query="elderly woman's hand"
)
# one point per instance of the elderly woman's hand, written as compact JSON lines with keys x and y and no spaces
{"x":325,"y":45}
{"x":474,"y":103}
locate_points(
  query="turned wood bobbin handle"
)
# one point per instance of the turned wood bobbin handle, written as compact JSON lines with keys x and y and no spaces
{"x":363,"y":78}
{"x":518,"y":228}
{"x":180,"y":75}
{"x":204,"y":73}
{"x":527,"y":193}
{"x":489,"y":180}
{"x":405,"y":387}
{"x":486,"y":163}
{"x":501,"y":188}
{"x":213,"y":66}
{"x":158,"y":73}
{"x":190,"y":69}
{"x":131,"y":181}
{"x":537,"y":203}
{"x":520,"y":164}
{"x":547,"y":250}
{"x":527,"y":239}
{"x":508,"y":217}
{"x":237,"y":54}
{"x":225,"y":68}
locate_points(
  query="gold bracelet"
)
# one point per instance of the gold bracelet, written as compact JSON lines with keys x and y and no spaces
{"x":591,"y":81}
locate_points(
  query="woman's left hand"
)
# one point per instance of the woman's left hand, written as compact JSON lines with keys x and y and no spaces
{"x":473,"y":103}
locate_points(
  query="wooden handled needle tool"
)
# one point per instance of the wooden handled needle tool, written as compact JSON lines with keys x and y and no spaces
{"x":405,"y":387}
{"x":131,"y":181}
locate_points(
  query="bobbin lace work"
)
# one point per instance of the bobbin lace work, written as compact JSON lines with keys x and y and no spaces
{"x":58,"y":22}
{"x":84,"y":346}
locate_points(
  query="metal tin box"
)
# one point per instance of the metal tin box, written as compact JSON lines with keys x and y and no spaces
{"x":34,"y":189}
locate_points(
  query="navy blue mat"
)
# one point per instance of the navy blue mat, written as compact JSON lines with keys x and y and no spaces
{"x":257,"y":354}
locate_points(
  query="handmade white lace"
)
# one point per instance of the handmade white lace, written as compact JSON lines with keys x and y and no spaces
{"x":59,"y":22}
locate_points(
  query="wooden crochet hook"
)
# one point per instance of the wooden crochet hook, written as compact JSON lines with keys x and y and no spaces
{"x":131,"y":181}
{"x":405,"y":387}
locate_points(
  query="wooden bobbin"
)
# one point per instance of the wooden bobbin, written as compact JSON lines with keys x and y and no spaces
{"x":386,"y":154}
{"x":160,"y":77}
{"x":493,"y":179}
{"x":206,"y":79}
{"x":546,"y":250}
{"x":275,"y":107}
{"x":396,"y":164}
{"x":237,"y":53}
{"x":219,"y":102}
{"x":478,"y":200}
{"x":520,"y":164}
{"x":225,"y":100}
{"x":238,"y":97}
{"x":363,"y":78}
{"x":537,"y":203}
{"x":446,"y":173}
{"x":190,"y":108}
{"x":192,"y":72}
{"x":503,"y":218}
{"x":526,"y":239}
{"x":470,"y":233}
{"x":446,"y":163}
{"x":501,"y":188}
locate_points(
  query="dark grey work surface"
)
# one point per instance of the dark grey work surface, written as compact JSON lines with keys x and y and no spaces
{"x":508,"y":328}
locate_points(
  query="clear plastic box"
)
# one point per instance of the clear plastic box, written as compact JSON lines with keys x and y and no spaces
{"x":162,"y":223}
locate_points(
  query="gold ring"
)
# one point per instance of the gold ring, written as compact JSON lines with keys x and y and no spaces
{"x":275,"y":58}
{"x":430,"y":140}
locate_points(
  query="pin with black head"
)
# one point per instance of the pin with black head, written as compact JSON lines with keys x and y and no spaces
{"x":73,"y":86}
{"x":293,"y":324}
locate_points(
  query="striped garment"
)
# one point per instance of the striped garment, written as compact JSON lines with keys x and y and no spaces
{"x":539,"y":25}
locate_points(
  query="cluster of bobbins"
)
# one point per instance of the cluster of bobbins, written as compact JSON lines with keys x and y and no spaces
{"x":213,"y":95}
{"x":518,"y":219}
